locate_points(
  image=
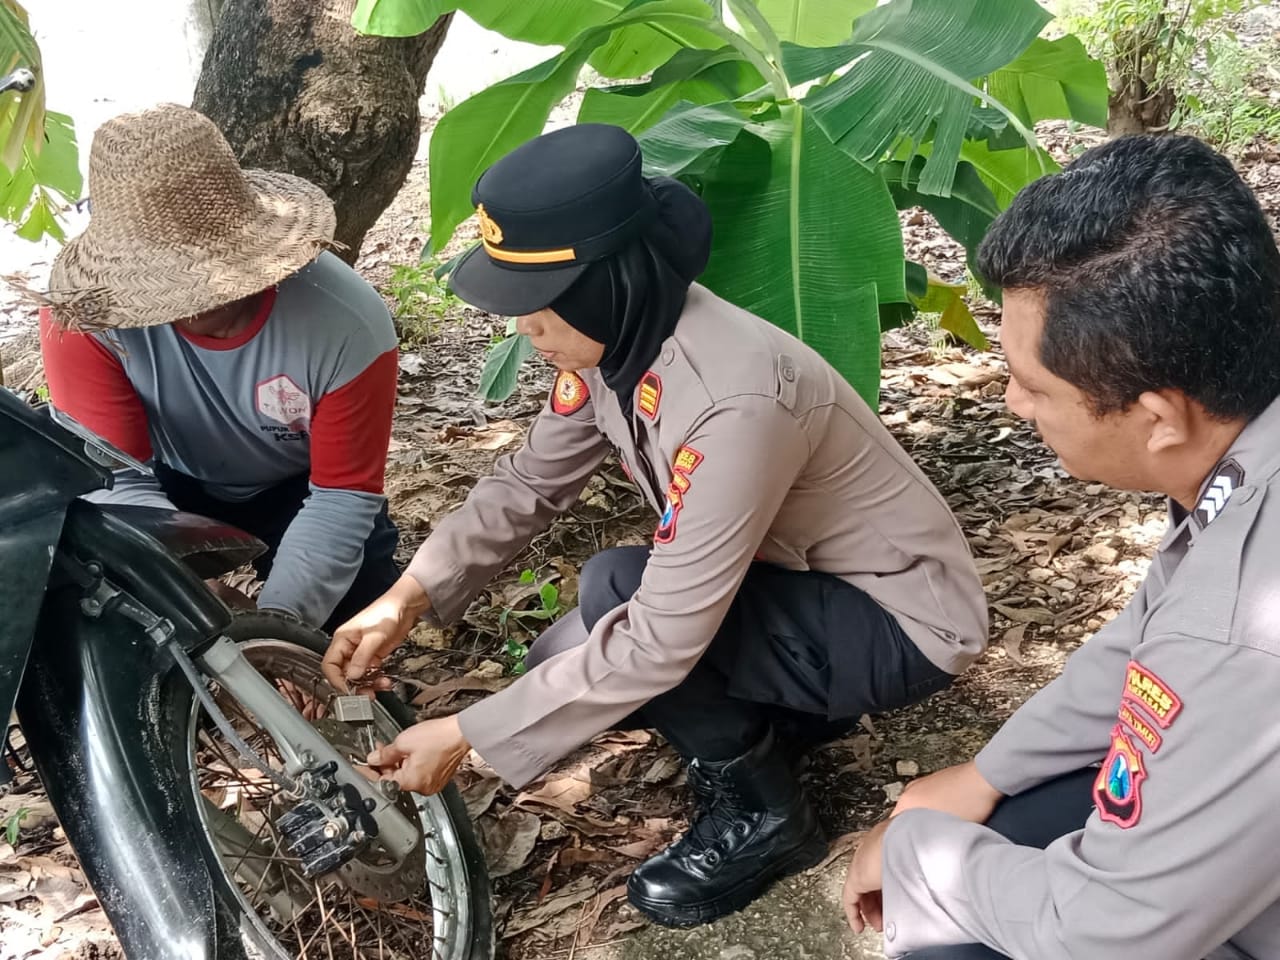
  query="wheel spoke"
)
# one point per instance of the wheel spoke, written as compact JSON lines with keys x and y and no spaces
{"x":299,"y":913}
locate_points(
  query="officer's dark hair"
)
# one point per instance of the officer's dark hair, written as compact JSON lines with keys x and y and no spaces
{"x":1157,"y":269}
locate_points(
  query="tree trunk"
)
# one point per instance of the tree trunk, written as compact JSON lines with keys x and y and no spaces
{"x":1141,"y":100}
{"x":295,"y":88}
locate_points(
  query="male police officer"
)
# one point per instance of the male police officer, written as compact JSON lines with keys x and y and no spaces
{"x":1142,"y":330}
{"x":803,"y":571}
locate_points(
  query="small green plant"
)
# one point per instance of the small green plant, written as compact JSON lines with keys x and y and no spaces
{"x":422,"y":300}
{"x":1225,"y":107}
{"x":13,"y":824}
{"x":1151,"y":48}
{"x":42,"y":393}
{"x":548,"y":609}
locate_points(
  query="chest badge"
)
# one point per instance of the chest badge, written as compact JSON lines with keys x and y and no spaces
{"x":1117,"y":792}
{"x":284,"y":401}
{"x":650,"y":395}
{"x":570,"y":393}
{"x":1226,"y":478}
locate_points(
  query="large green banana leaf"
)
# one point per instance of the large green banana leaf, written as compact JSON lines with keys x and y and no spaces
{"x":39,"y":166}
{"x":485,"y":127}
{"x":965,"y":215}
{"x":1053,"y":79}
{"x":695,"y":76}
{"x":813,"y":23}
{"x":912,"y":82}
{"x":691,"y":140}
{"x":1006,"y":172}
{"x":631,"y":52}
{"x":807,"y":239}
{"x":399,"y":18}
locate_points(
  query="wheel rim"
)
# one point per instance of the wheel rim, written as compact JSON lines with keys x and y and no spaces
{"x":331,"y":917}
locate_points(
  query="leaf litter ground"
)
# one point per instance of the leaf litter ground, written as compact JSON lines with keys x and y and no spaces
{"x":1058,"y":558}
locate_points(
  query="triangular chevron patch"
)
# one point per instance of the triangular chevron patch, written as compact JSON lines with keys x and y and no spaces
{"x":1226,"y":479}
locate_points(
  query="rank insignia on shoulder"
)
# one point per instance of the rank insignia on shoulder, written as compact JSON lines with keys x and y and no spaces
{"x":570,"y":393}
{"x":1226,"y":478}
{"x":650,"y":395}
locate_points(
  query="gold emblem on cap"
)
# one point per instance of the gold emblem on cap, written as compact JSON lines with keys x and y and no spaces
{"x":489,"y":229}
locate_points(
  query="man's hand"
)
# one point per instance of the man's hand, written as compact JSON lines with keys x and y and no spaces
{"x":423,"y":758}
{"x":960,"y":791}
{"x":863,"y":906}
{"x":229,"y":595}
{"x":361,"y":644}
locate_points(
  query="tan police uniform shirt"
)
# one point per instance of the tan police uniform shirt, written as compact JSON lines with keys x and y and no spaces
{"x":747,"y":445}
{"x":1178,"y":699}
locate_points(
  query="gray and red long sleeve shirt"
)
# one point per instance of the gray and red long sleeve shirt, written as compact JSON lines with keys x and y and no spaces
{"x":309,"y":387}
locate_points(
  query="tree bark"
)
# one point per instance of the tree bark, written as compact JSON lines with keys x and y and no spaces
{"x":1140,"y":101}
{"x":295,"y":88}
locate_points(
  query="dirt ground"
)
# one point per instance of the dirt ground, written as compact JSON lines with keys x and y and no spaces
{"x":1058,"y":558}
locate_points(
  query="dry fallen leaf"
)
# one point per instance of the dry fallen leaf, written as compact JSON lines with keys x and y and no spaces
{"x":662,"y":769}
{"x":508,"y":840}
{"x":1027,"y":614}
{"x":1012,"y":644}
{"x":571,"y":895}
{"x":430,"y":693}
{"x":479,"y":796}
{"x":587,"y":928}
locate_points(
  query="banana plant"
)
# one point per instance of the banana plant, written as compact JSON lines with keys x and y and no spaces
{"x":806,"y":125}
{"x":39,"y":165}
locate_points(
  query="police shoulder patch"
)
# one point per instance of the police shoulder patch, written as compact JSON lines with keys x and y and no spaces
{"x":1117,"y":792}
{"x":686,"y":461}
{"x":1153,"y":695}
{"x":570,"y":393}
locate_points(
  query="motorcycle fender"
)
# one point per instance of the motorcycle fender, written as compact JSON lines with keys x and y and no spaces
{"x":26,"y":553}
{"x":92,"y":708}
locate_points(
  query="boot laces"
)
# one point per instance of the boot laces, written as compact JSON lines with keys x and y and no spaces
{"x":719,"y":812}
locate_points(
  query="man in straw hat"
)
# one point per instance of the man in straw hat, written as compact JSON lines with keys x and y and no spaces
{"x":199,"y":324}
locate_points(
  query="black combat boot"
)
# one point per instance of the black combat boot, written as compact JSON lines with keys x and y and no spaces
{"x":754,"y":825}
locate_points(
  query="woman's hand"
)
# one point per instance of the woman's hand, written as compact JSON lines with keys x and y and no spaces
{"x":361,"y":644}
{"x":424,"y":757}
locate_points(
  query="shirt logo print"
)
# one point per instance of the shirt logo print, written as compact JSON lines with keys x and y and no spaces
{"x":283,"y":401}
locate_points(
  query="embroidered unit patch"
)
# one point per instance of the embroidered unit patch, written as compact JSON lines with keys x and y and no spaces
{"x":1117,"y":792}
{"x":686,"y":461}
{"x":1152,"y":694}
{"x":650,"y":395}
{"x":1141,"y":729}
{"x":569,"y":394}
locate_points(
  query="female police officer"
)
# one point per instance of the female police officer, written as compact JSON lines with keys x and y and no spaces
{"x":803,"y":571}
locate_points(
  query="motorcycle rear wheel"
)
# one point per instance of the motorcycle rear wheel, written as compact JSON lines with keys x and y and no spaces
{"x":372,"y":907}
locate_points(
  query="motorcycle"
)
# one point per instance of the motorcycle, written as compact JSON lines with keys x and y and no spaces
{"x":206,"y":775}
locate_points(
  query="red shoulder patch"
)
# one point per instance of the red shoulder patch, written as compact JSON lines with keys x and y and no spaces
{"x":1117,"y":792}
{"x":570,"y":393}
{"x":687,"y":460}
{"x":1144,"y":688}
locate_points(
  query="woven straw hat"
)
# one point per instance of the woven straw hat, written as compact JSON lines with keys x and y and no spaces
{"x":178,"y":228}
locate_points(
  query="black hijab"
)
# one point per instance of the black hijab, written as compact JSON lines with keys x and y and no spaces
{"x":632,"y":300}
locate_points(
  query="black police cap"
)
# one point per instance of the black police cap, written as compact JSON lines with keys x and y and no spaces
{"x":548,"y":210}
